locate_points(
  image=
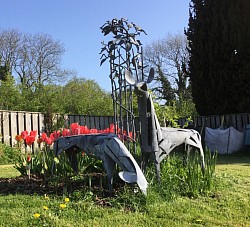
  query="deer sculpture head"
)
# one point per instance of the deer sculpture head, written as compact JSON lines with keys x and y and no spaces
{"x":141,"y":87}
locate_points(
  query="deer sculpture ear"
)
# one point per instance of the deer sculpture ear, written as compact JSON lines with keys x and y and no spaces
{"x":151,"y":75}
{"x":129,"y":78}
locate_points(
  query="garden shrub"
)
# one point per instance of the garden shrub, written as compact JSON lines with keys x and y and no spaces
{"x":8,"y":155}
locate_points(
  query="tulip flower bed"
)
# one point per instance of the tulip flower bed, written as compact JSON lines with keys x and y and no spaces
{"x":39,"y":161}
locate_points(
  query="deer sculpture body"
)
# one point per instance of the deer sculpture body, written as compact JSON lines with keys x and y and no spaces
{"x":109,"y":149}
{"x":156,"y":140}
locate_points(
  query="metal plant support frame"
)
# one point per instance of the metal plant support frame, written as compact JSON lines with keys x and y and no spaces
{"x":124,"y":53}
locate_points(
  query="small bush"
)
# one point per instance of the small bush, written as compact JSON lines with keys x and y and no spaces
{"x":8,"y":155}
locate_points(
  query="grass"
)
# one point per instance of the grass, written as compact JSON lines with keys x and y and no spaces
{"x":8,"y":171}
{"x":227,"y":205}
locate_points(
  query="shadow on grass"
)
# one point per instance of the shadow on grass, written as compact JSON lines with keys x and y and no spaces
{"x":37,"y":185}
{"x":24,"y":185}
{"x":242,"y":157}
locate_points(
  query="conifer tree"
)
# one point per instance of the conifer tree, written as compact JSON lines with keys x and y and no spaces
{"x":219,"y":48}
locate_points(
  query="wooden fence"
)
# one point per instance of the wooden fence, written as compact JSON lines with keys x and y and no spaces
{"x":12,"y":123}
{"x":238,"y":121}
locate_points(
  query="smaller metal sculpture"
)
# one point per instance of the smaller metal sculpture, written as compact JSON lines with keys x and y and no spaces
{"x":109,"y":149}
{"x":156,"y":140}
{"x":123,"y":52}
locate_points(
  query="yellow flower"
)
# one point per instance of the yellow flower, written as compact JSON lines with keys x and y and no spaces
{"x":36,"y":215}
{"x":56,"y":160}
{"x":45,"y":208}
{"x":66,"y":200}
{"x":46,"y":197}
{"x":198,"y":220}
{"x":63,"y":205}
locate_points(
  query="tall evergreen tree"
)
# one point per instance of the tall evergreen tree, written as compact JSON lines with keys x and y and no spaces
{"x":219,"y":48}
{"x":4,"y":72}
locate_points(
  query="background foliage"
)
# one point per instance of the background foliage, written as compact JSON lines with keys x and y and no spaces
{"x":219,"y":47}
{"x":32,"y":79}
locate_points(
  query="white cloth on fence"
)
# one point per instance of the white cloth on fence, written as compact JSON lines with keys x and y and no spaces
{"x":224,"y":141}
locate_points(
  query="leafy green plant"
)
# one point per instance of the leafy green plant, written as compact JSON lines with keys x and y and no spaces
{"x":179,"y":177}
{"x":209,"y":175}
{"x":8,"y":155}
{"x":38,"y":162}
{"x":172,"y":113}
{"x":194,"y":176}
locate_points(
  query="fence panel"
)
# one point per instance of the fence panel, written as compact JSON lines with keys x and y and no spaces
{"x":40,"y":122}
{"x":6,"y":128}
{"x":1,"y":127}
{"x":20,"y":122}
{"x":27,"y":120}
{"x":238,"y":121}
{"x":13,"y":128}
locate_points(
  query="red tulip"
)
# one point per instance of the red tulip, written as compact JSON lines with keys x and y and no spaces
{"x":24,"y":134}
{"x":112,"y":128}
{"x":75,"y":128}
{"x":48,"y":141}
{"x":65,"y":132}
{"x":84,"y":130}
{"x":55,"y":134}
{"x":28,"y":159}
{"x":43,"y":136}
{"x":30,"y":140}
{"x":33,"y":133}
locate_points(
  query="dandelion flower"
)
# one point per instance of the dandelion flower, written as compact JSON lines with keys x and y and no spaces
{"x":46,"y":197}
{"x":45,"y":208}
{"x":63,"y":205}
{"x":66,"y":200}
{"x":198,"y":220}
{"x":36,"y":215}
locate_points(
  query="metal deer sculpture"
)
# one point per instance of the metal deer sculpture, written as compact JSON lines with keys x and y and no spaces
{"x":155,"y":139}
{"x":109,"y":149}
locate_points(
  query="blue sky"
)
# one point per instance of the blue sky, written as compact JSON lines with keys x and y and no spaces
{"x":76,"y":24}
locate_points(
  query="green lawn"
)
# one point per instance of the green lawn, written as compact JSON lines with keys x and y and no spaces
{"x":228,"y":205}
{"x":7,"y":171}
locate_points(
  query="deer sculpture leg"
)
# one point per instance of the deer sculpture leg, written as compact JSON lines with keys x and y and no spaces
{"x":109,"y":166}
{"x":157,"y":166}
